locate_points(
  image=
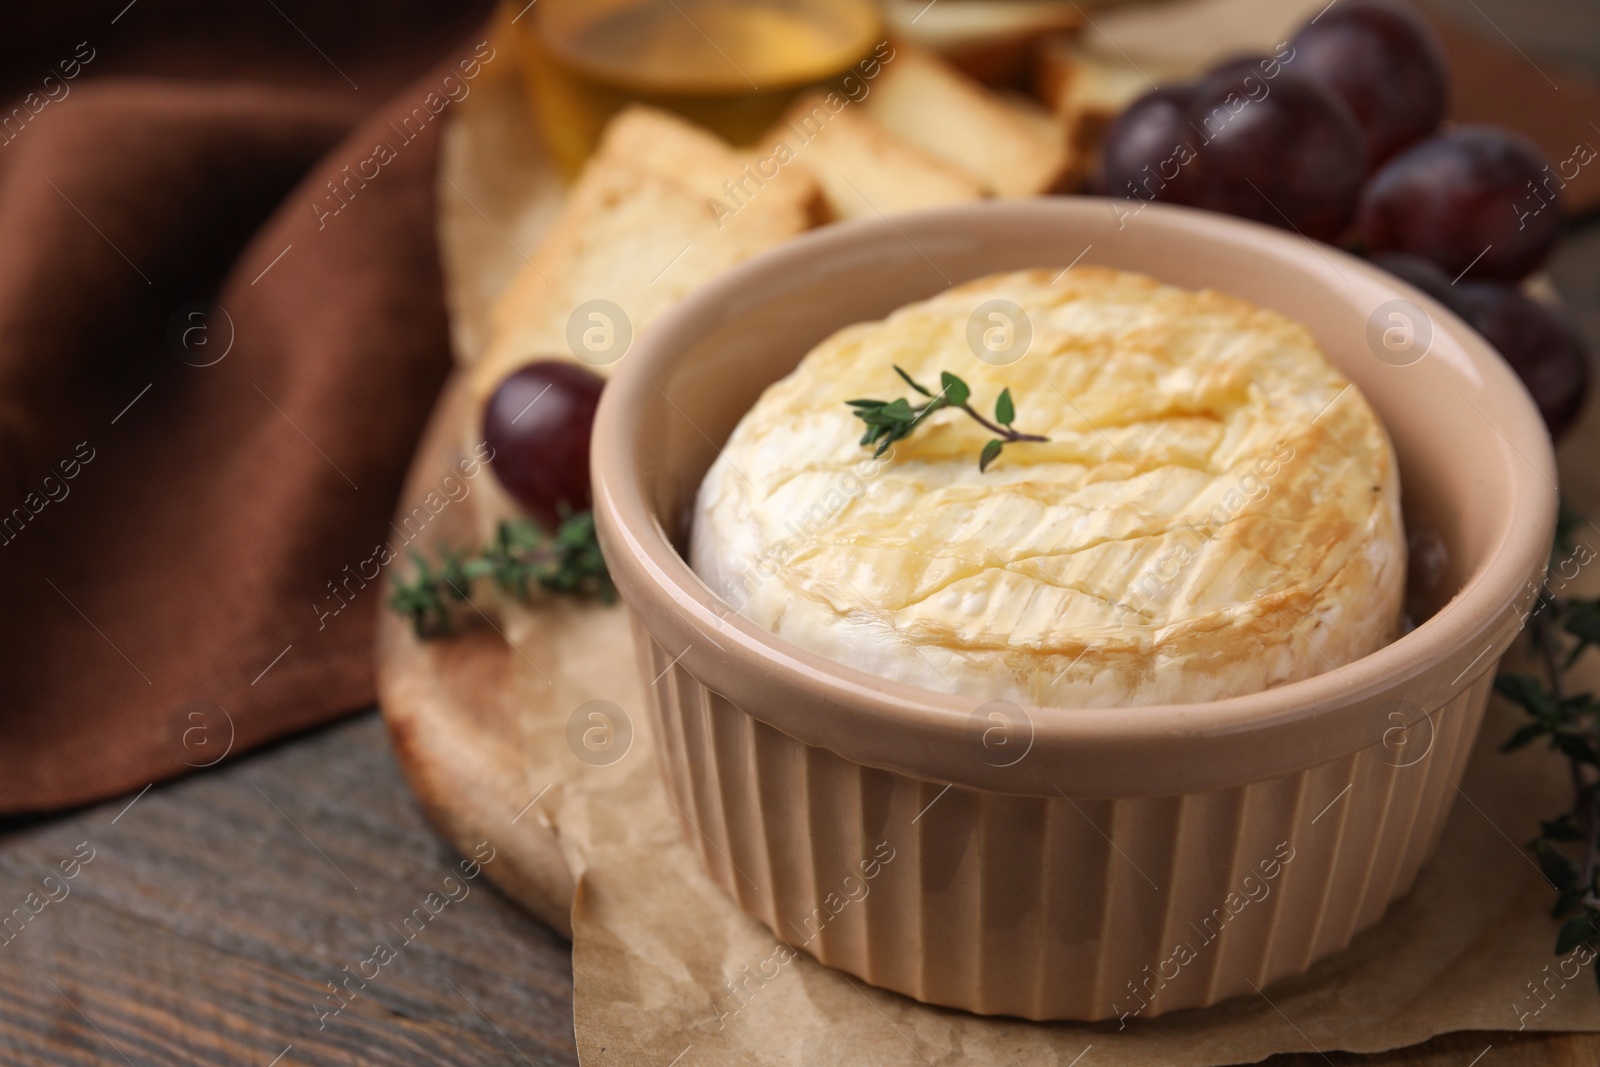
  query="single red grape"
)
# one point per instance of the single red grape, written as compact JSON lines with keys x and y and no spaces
{"x":1547,"y":353}
{"x":538,"y":422}
{"x":1385,"y":63}
{"x":1149,"y":151}
{"x":1472,"y":197}
{"x":1282,"y":150}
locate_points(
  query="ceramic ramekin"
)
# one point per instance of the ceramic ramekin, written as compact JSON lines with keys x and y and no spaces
{"x":1061,"y":863}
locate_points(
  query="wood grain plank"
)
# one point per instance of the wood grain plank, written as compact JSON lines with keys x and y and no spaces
{"x":215,"y":911}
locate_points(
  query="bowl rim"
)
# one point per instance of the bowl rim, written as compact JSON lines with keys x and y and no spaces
{"x":1214,"y":744}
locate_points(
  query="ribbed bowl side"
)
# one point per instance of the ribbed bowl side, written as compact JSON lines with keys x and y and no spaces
{"x":1059,"y":907}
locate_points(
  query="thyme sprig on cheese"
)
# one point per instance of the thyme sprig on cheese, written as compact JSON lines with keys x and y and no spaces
{"x":889,"y":421}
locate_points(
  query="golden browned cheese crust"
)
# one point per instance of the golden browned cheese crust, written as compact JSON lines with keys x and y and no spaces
{"x":1217,"y":509}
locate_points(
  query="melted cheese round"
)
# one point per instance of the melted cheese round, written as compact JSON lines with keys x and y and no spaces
{"x":1216,"y":511}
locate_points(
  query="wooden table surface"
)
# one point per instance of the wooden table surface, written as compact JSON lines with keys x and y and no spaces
{"x":218,"y":912}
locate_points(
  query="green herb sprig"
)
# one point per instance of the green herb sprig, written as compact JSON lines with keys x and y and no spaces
{"x":1561,"y":630}
{"x":522,"y":557}
{"x":889,"y":421}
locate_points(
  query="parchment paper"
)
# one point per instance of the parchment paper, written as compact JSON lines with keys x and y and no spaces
{"x":654,"y":941}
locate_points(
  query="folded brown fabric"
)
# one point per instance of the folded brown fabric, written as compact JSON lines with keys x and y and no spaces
{"x":221,"y":330}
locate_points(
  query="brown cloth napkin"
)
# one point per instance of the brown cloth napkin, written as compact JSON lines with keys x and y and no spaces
{"x":221,"y":329}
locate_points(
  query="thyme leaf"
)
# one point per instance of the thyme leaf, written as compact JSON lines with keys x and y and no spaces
{"x":888,"y":421}
{"x":521,"y":558}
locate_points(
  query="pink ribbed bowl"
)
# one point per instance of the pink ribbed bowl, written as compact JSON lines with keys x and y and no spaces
{"x":1067,"y":863}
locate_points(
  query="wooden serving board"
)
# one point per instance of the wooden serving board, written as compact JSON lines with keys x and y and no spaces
{"x":458,"y":735}
{"x":451,"y":712}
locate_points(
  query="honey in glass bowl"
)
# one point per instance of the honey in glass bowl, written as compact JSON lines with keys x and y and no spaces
{"x":731,"y":65}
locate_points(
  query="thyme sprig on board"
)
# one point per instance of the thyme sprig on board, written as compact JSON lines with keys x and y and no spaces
{"x":1562,"y":628}
{"x":889,"y":421}
{"x":522,"y":557}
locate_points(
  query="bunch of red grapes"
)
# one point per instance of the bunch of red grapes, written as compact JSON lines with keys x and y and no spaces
{"x":1337,"y":135}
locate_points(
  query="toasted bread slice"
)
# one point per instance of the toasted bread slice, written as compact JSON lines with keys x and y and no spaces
{"x":991,"y":40}
{"x":650,"y":218}
{"x":863,"y":168}
{"x":1087,"y":89}
{"x":1013,"y":147}
{"x":1188,"y":38}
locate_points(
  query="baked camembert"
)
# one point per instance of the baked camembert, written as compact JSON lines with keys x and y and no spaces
{"x":1216,"y":510}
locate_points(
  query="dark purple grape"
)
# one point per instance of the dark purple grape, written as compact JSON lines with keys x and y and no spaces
{"x":1421,"y":273}
{"x":1385,"y":63}
{"x":1281,"y":150}
{"x":1149,"y":153}
{"x":1471,"y":197}
{"x":538,"y":422}
{"x":1547,"y":353}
